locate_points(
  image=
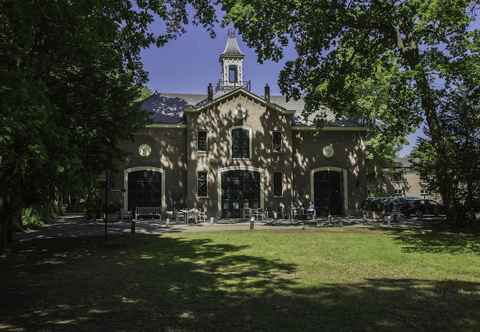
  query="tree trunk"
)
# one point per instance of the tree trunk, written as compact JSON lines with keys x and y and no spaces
{"x":437,"y":139}
{"x":409,"y":49}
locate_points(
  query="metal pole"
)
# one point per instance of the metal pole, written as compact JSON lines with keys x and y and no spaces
{"x":107,"y":185}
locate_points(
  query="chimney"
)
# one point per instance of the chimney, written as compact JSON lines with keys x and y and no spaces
{"x":267,"y":93}
{"x":210,"y":92}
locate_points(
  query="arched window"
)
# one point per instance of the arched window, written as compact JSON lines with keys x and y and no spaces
{"x":240,"y":143}
{"x":232,"y":74}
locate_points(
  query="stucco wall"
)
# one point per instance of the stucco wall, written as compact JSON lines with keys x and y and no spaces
{"x":168,"y":153}
{"x":175,"y":151}
{"x":218,"y":121}
{"x":349,"y":155}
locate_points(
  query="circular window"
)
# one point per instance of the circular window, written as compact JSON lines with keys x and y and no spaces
{"x":144,"y":150}
{"x":328,"y":151}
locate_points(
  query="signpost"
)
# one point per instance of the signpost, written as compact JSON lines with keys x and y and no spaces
{"x":105,"y":205}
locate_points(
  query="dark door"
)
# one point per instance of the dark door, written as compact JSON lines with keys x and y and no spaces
{"x":328,"y":193}
{"x":144,"y":189}
{"x":239,"y":189}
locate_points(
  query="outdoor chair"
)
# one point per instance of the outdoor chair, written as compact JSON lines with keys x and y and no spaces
{"x":247,"y":213}
{"x":180,"y":216}
{"x":310,"y":213}
{"x":295,"y":213}
{"x":201,"y":216}
{"x":259,"y":214}
{"x":192,"y":215}
{"x":125,"y":214}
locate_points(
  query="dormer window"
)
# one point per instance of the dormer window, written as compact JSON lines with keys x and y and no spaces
{"x":241,"y":143}
{"x":232,"y":74}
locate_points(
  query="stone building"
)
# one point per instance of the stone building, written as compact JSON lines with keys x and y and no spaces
{"x":400,"y":179}
{"x":231,"y":148}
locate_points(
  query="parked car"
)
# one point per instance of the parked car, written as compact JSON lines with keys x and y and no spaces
{"x":420,"y":208}
{"x":408,"y":206}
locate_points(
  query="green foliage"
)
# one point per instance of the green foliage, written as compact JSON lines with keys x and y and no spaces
{"x":31,"y":218}
{"x":144,"y":93}
{"x":393,"y":62}
{"x":71,"y":73}
{"x":460,"y":121}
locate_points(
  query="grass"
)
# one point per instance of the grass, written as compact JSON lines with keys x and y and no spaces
{"x":285,"y":280}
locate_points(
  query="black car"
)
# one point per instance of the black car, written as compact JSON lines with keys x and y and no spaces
{"x":420,"y":208}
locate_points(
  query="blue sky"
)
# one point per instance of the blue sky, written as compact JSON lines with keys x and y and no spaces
{"x":190,"y":62}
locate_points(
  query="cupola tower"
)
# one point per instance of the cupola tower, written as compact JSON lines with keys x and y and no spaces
{"x":231,"y":61}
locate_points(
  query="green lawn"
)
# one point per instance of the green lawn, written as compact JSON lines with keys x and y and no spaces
{"x":282,"y":280}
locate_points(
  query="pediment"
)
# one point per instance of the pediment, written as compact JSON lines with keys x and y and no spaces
{"x":235,"y":93}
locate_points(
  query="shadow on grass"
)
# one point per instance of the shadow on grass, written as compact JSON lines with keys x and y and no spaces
{"x":438,"y":240}
{"x":154,"y":283}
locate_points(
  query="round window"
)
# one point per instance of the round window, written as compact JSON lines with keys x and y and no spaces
{"x":328,"y":151}
{"x":144,"y":150}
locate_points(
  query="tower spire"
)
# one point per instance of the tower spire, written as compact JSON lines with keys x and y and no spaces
{"x":231,"y":61}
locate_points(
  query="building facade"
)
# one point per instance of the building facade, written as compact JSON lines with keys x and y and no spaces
{"x":400,"y":179}
{"x":230,"y":148}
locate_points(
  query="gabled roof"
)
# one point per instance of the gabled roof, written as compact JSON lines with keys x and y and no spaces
{"x":169,"y":108}
{"x":206,"y":103}
{"x":164,"y":109}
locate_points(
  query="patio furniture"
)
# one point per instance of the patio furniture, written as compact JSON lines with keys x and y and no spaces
{"x":125,"y":214}
{"x":190,"y":215}
{"x":148,"y":211}
{"x":295,"y":213}
{"x":247,"y":213}
{"x":310,"y":213}
{"x":201,"y":216}
{"x":259,"y":214}
{"x":180,"y":216}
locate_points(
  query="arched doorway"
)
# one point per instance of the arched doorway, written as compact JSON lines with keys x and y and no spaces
{"x":329,"y":191}
{"x":239,"y":188}
{"x":144,"y":186}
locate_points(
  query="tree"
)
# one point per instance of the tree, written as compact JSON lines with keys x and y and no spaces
{"x":70,"y":76}
{"x":460,"y":121}
{"x":343,"y":43}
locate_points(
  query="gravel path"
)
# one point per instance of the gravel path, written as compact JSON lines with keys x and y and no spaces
{"x":77,"y":226}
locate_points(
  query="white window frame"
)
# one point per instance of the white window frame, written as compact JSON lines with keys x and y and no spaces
{"x":250,"y":141}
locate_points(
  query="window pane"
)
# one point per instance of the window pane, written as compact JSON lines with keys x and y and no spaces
{"x":240,"y":143}
{"x":202,"y":141}
{"x":232,"y":74}
{"x":202,"y":184}
{"x":277,"y":184}
{"x":245,"y":144}
{"x":277,"y":141}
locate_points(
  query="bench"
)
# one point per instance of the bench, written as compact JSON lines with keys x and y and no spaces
{"x":148,"y":211}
